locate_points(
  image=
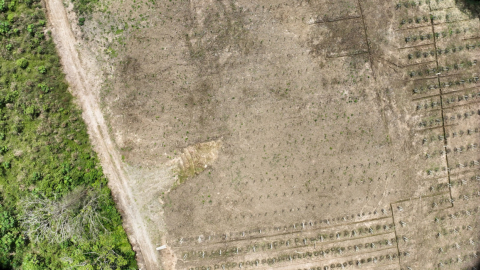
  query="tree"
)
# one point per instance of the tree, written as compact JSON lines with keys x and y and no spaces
{"x":74,"y":217}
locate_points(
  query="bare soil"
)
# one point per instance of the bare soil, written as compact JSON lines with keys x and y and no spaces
{"x":349,"y":131}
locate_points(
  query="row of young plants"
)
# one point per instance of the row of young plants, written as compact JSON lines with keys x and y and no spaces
{"x":447,"y":50}
{"x":56,"y":211}
{"x":434,"y":70}
{"x":428,"y":36}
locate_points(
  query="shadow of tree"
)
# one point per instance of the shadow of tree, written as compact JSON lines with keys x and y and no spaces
{"x":471,"y":7}
{"x":476,"y":265}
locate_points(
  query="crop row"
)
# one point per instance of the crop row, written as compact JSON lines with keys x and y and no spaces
{"x":457,"y":246}
{"x":454,"y":134}
{"x":456,"y":150}
{"x":430,"y":122}
{"x":411,"y":4}
{"x":443,"y":34}
{"x":448,"y":68}
{"x":459,"y":259}
{"x":460,"y":82}
{"x":440,"y":187}
{"x":294,"y":242}
{"x":459,"y":98}
{"x":439,"y":202}
{"x":355,"y":263}
{"x":429,"y":105}
{"x":460,"y":116}
{"x":422,"y":89}
{"x":459,"y":165}
{"x":296,"y":256}
{"x":423,"y":19}
{"x":453,"y":49}
{"x":295,"y":228}
{"x":469,"y":195}
{"x":466,"y":164}
{"x":449,"y":100}
{"x":427,"y":18}
{"x":453,"y":231}
{"x":460,"y":149}
{"x":459,"y":214}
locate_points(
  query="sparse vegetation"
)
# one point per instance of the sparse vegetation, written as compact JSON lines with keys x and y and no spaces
{"x":344,"y":135}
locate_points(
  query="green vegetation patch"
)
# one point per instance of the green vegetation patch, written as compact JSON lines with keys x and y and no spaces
{"x":83,"y":7}
{"x":56,"y":211}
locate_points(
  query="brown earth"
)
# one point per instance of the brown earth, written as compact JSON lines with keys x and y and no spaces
{"x":349,"y":130}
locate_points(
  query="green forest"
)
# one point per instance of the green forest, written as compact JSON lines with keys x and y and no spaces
{"x":56,"y":211}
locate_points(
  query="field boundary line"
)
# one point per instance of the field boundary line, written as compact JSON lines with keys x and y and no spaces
{"x":366,"y":39}
{"x":337,"y":20}
{"x":441,"y":106}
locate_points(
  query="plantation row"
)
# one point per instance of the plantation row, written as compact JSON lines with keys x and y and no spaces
{"x":450,"y":100}
{"x":344,"y":264}
{"x":459,"y":214}
{"x":452,"y":49}
{"x":56,"y":211}
{"x":434,"y":71}
{"x":289,"y":243}
{"x":456,"y":150}
{"x":294,"y":228}
{"x":443,"y":34}
{"x":454,"y":134}
{"x":435,"y":121}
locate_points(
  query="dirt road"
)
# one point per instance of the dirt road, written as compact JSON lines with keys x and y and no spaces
{"x":84,"y":84}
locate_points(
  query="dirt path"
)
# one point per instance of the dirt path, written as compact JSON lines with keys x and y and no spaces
{"x":84,"y":85}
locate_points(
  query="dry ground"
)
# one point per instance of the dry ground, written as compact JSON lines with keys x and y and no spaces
{"x":313,"y":134}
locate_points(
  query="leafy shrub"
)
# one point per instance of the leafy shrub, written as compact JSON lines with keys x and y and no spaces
{"x":31,"y":29}
{"x":81,"y":21}
{"x":42,"y":69}
{"x":11,"y":5}
{"x":3,"y":6}
{"x":12,"y":17}
{"x":4,"y":28}
{"x":31,"y":111}
{"x":22,"y":63}
{"x":44,"y":87}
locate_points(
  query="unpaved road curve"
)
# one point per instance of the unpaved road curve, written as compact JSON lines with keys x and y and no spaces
{"x":83,"y":86}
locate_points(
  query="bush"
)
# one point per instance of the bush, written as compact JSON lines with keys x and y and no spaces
{"x":31,"y":29}
{"x":3,"y":6}
{"x":22,"y":63}
{"x":43,"y":86}
{"x":4,"y":28}
{"x":42,"y":69}
{"x":12,"y":17}
{"x":12,"y":5}
{"x":81,"y":21}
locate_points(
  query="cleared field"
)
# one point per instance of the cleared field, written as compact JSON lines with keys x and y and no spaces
{"x":298,"y":134}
